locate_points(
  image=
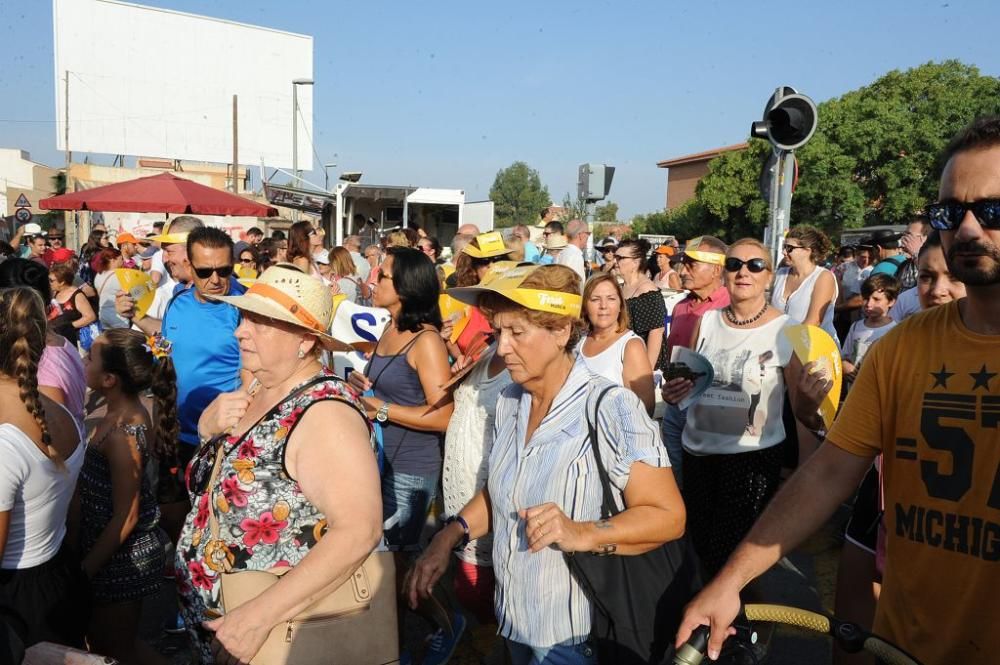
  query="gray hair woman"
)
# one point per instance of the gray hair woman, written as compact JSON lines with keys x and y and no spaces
{"x":297,"y":485}
{"x":543,"y":496}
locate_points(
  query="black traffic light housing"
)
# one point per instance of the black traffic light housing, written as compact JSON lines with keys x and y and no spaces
{"x":790,"y":120}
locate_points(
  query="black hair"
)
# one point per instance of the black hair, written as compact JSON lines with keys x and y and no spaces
{"x":416,"y":282}
{"x":641,"y":247}
{"x":555,"y":227}
{"x":278,"y":235}
{"x":23,"y":272}
{"x":210,"y":238}
{"x":6,"y":249}
{"x":880,"y":281}
{"x":846,"y":251}
{"x":255,"y":231}
{"x":983,"y":132}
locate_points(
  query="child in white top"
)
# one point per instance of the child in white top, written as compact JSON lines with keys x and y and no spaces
{"x":878,"y":293}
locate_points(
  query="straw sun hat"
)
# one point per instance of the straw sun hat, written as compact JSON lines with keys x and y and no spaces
{"x":285,"y":293}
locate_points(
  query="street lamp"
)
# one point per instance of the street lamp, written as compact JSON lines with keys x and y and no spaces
{"x":295,"y":126}
{"x":326,"y":174}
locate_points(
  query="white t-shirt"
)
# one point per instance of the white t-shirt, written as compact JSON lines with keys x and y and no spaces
{"x":156,"y":265}
{"x":37,"y":494}
{"x":741,"y":410}
{"x":349,"y":287}
{"x":609,"y":363}
{"x":164,"y":292}
{"x":572,"y":257}
{"x":907,"y":303}
{"x":860,"y":338}
{"x":467,"y":445}
{"x":797,"y":304}
{"x":361,"y":266}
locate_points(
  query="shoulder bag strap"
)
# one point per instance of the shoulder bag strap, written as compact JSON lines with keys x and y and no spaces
{"x":222,"y":451}
{"x":608,"y":505}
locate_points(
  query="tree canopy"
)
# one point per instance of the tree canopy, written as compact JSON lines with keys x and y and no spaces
{"x":518,"y":195}
{"x":873,"y":159}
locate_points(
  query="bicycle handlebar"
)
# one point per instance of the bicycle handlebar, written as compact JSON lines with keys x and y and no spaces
{"x":848,"y":635}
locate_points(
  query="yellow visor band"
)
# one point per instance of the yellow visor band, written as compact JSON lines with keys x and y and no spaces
{"x":555,"y":302}
{"x":706,"y":257}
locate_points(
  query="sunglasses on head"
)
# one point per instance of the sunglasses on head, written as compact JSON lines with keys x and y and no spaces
{"x":734,"y":264}
{"x":948,"y":216}
{"x":222,"y":271}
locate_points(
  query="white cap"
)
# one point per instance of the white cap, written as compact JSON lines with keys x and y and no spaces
{"x":32,"y":229}
{"x":322,"y":256}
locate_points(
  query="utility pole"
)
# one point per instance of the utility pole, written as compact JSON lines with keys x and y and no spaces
{"x":72,"y":232}
{"x":297,"y":181}
{"x":236,"y":146}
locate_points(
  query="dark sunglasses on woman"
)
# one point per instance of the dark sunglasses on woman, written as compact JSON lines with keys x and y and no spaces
{"x":947,"y":216}
{"x":734,"y":264}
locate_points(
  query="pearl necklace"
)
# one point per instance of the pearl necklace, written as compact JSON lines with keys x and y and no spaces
{"x":736,"y":322}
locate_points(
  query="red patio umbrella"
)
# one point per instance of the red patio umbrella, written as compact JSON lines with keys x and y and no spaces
{"x":164,"y":192}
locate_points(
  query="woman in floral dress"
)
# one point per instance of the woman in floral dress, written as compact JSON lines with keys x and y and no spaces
{"x":298,"y":483}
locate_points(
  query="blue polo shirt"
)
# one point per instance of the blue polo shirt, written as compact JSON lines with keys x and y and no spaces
{"x":205,"y":352}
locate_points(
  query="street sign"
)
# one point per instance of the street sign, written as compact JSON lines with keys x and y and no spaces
{"x":22,"y":202}
{"x":23,"y":215}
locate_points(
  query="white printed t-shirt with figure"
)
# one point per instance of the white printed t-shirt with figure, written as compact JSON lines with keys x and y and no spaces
{"x":741,"y":411}
{"x":860,"y":338}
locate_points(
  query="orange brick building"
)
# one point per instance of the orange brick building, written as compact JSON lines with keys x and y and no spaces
{"x":684,"y":173}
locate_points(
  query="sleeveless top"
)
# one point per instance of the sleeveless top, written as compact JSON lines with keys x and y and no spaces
{"x":741,"y":411}
{"x":265,"y":521}
{"x":797,"y":304}
{"x":609,"y":363}
{"x":135,"y":569}
{"x":406,"y":450}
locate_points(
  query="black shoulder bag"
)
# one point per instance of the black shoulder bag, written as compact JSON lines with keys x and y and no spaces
{"x":636,"y":601}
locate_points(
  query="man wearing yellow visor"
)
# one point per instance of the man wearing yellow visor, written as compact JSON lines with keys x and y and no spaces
{"x":701,"y":275}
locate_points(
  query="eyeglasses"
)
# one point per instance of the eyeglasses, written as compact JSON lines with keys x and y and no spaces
{"x":56,"y":238}
{"x":250,"y":260}
{"x":788,"y":249}
{"x":622,"y":257}
{"x":97,"y":234}
{"x":948,"y":216}
{"x":222,"y":271}
{"x":734,"y":264}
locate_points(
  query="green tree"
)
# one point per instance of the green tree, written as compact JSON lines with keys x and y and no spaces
{"x":607,"y":212}
{"x":873,"y":159}
{"x":518,"y":195}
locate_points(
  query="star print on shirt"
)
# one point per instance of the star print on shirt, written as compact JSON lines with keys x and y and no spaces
{"x":941,"y":378}
{"x":982,"y":378}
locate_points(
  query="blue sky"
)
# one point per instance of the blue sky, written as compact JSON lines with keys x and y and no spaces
{"x":444,"y":94}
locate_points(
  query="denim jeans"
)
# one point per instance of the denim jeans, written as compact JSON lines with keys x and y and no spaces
{"x":671,"y":428}
{"x":406,"y":500}
{"x":560,"y":654}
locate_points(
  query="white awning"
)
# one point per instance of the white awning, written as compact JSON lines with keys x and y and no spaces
{"x":437,"y":196}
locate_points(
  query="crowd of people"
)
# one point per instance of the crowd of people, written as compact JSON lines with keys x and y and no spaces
{"x":487,"y":448}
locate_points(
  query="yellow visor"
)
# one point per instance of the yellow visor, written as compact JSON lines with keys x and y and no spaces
{"x":508,"y":285}
{"x":170,"y":238}
{"x":490,"y":245}
{"x":706,"y":257}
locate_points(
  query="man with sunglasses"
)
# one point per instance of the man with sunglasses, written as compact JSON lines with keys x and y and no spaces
{"x":926,"y":399}
{"x":204,"y":349}
{"x":701,"y":275}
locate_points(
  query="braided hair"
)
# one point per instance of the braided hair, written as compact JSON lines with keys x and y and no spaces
{"x":22,"y":341}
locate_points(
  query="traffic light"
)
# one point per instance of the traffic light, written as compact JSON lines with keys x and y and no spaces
{"x":789,"y":120}
{"x":594,"y":182}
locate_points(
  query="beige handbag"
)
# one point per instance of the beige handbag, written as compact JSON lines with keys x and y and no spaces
{"x":355,"y":624}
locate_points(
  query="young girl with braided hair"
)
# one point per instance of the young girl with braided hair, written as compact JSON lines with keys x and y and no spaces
{"x":42,"y":449}
{"x":122,"y":551}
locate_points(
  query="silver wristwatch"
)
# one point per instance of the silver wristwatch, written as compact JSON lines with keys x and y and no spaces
{"x":382,"y":415}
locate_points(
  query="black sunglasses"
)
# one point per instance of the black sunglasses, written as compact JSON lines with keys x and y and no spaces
{"x":222,"y":271}
{"x":947,"y":216}
{"x":734,"y":264}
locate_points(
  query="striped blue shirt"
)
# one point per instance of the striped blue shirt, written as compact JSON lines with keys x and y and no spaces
{"x":537,"y":601}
